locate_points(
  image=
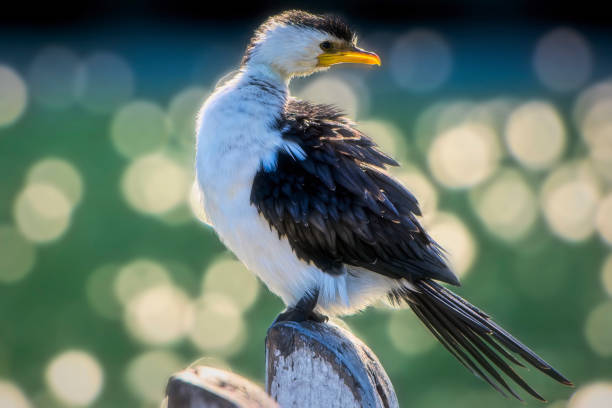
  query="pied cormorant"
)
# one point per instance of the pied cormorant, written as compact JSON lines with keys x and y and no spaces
{"x":303,"y":199}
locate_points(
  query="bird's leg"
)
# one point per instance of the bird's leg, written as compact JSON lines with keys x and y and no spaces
{"x":303,"y":310}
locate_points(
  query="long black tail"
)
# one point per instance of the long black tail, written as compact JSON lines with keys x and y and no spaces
{"x":472,"y":337}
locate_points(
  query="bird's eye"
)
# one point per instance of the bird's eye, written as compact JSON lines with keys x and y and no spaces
{"x":325,"y":45}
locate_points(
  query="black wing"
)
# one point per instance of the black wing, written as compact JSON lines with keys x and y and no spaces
{"x":337,"y":205}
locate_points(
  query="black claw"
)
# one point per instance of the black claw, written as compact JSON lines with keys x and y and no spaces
{"x":293,"y":314}
{"x":318,"y":317}
{"x":303,"y":311}
{"x":290,"y":315}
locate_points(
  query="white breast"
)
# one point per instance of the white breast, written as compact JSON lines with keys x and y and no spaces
{"x":234,"y":138}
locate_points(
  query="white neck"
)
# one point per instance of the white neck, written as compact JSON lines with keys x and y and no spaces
{"x":267,"y":73}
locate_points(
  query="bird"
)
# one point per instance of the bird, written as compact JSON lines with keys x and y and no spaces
{"x":305,"y":200}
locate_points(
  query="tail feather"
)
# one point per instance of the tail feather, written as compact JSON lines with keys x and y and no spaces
{"x":469,"y":334}
{"x":508,"y":340}
{"x":452,"y":344}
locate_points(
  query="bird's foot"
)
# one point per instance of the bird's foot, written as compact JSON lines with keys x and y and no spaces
{"x":295,"y":314}
{"x":303,"y":310}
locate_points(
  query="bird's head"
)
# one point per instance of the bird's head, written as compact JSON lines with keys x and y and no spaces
{"x":297,"y":43}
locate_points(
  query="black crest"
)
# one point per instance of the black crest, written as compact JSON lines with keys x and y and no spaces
{"x":327,"y":23}
{"x":333,"y":25}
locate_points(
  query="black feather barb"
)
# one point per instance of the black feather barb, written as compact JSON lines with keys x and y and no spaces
{"x":473,"y":338}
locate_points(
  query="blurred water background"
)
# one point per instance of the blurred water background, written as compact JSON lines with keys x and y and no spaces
{"x":109,"y":282}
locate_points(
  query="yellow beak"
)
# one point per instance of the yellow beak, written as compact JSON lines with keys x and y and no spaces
{"x":354,"y":55}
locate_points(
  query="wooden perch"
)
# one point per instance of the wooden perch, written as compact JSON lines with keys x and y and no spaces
{"x":206,"y":387}
{"x":321,"y":365}
{"x":309,"y":365}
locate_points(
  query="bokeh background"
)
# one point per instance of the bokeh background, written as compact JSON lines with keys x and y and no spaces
{"x":109,"y":282}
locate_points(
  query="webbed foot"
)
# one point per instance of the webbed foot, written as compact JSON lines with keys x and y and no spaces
{"x":303,"y":311}
{"x":293,"y":314}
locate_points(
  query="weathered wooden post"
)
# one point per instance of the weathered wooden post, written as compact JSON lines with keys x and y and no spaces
{"x":308,"y":364}
{"x":321,"y":365}
{"x":207,"y":387}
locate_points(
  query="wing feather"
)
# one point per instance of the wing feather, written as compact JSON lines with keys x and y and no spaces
{"x":338,"y":205}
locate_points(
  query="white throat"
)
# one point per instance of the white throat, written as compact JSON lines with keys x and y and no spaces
{"x":266,"y":72}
